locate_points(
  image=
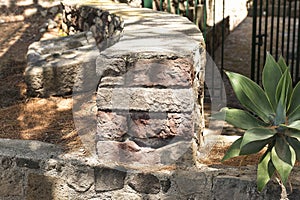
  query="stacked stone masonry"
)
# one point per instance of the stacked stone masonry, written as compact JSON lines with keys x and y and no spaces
{"x":34,"y":170}
{"x":148,"y":74}
{"x":149,"y":81}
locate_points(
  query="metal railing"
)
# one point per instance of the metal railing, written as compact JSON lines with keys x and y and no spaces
{"x":276,"y":29}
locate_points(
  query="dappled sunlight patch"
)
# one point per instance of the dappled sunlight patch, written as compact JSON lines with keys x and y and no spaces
{"x":218,"y":151}
{"x":49,"y":120}
{"x":64,"y":104}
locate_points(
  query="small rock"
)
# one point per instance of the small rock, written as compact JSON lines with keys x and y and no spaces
{"x":53,"y":10}
{"x":145,"y":183}
{"x":30,"y":11}
{"x":72,"y":30}
{"x":45,"y":25}
{"x":51,"y":24}
{"x":42,"y":30}
{"x":44,"y":13}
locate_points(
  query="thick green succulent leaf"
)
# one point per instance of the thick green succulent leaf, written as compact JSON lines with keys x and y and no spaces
{"x":238,"y":118}
{"x":294,"y":115}
{"x":296,"y":146}
{"x":283,"y":157}
{"x":282,"y":64}
{"x":293,"y":133}
{"x":284,"y":89}
{"x":265,"y":170}
{"x":295,"y":125}
{"x":270,"y":78}
{"x":257,"y":134}
{"x":251,"y":96}
{"x":295,"y":99}
{"x":280,"y":116}
{"x":234,"y":150}
{"x":254,"y":147}
{"x":255,"y":139}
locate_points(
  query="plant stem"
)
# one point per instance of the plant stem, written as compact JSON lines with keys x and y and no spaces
{"x":283,"y":195}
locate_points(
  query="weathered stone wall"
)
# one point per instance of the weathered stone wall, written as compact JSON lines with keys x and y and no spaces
{"x":56,"y":66}
{"x":151,"y":101}
{"x":149,"y":84}
{"x":150,"y":81}
{"x":102,"y":24}
{"x":34,"y":170}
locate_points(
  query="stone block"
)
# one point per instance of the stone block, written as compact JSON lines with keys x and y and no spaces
{"x":22,"y":162}
{"x":45,"y":187}
{"x":80,"y":178}
{"x":59,"y":66}
{"x":111,"y":126}
{"x":129,"y":153}
{"x":107,"y":179}
{"x":124,"y":195}
{"x":164,"y":72}
{"x":144,"y":125}
{"x":230,"y":187}
{"x":146,"y":99}
{"x":145,"y":183}
{"x":11,"y":183}
{"x":28,"y":150}
{"x":145,"y":129}
{"x":192,"y":183}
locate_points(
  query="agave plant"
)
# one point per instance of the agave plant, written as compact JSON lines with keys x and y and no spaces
{"x":271,"y":120}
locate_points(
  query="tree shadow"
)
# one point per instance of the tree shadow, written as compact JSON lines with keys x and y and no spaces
{"x":24,"y":117}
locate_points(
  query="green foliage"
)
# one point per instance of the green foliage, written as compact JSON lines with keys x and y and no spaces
{"x":271,"y":119}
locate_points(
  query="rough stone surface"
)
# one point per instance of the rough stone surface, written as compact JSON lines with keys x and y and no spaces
{"x":111,"y":126}
{"x":189,"y":184}
{"x":80,"y":178}
{"x":154,"y":80}
{"x":45,"y":187}
{"x":138,"y":72}
{"x":160,"y":125}
{"x":146,"y":129}
{"x":57,"y":67}
{"x":228,"y":187}
{"x":164,"y":72}
{"x":158,"y":113}
{"x":145,"y":99}
{"x":145,"y":183}
{"x":109,"y":179}
{"x":11,"y":183}
{"x":106,"y":27}
{"x":34,"y":150}
{"x":21,"y":162}
{"x":129,"y":153}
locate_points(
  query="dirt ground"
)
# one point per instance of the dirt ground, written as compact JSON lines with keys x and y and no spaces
{"x":44,"y":119}
{"x":49,"y":120}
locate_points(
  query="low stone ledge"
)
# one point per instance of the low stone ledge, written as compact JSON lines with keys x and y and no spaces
{"x":68,"y":176}
{"x":28,"y":149}
{"x":59,"y":66}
